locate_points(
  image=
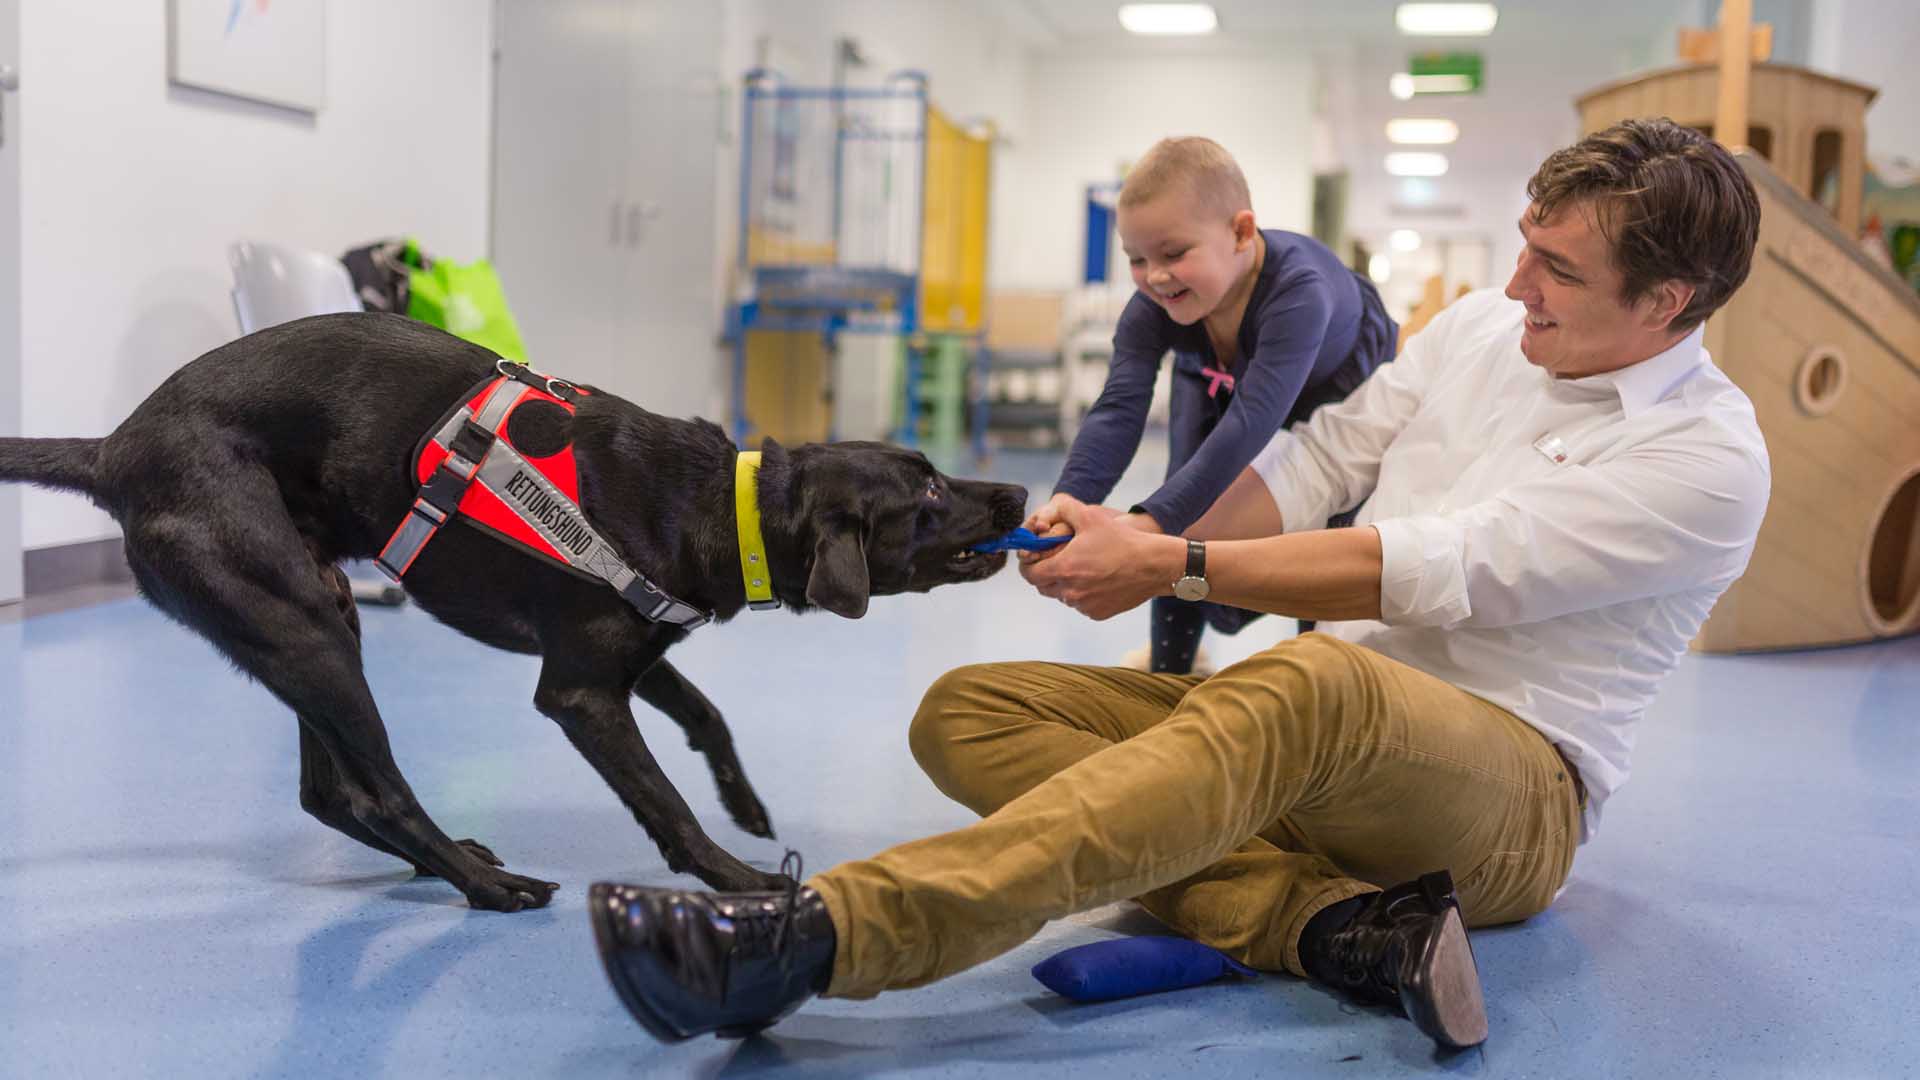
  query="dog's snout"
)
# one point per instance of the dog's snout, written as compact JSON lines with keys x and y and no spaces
{"x":1009,"y":506}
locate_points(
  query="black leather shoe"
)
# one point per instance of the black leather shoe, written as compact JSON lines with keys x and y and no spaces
{"x":690,"y":963}
{"x":1408,"y":947}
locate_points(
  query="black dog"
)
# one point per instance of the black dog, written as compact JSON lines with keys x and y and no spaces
{"x":245,"y":479}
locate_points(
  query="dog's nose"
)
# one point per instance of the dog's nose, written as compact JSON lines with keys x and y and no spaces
{"x":1009,"y":506}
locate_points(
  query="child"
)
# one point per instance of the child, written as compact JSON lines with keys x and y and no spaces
{"x":1264,"y":325}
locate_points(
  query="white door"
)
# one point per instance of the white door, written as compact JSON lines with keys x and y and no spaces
{"x":559,"y":205}
{"x":674,"y":95}
{"x":606,"y":118}
{"x":10,"y":417}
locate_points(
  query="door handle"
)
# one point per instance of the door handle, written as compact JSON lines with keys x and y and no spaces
{"x":638,"y":214}
{"x":9,"y":82}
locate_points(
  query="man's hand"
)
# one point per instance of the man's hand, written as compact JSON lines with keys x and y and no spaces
{"x":1113,"y":565}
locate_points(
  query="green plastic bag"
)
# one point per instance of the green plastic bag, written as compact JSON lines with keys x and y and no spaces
{"x":464,"y":300}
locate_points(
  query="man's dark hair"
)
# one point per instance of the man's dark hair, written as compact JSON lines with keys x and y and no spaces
{"x":1672,"y":204}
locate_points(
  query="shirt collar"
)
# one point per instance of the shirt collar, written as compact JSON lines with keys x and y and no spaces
{"x":1645,"y":384}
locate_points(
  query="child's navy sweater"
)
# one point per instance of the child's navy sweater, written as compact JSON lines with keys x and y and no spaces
{"x":1308,"y":320}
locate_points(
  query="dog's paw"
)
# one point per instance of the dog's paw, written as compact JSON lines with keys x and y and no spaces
{"x":472,"y":847}
{"x":750,"y":881}
{"x":480,"y":851}
{"x":779,"y":883}
{"x":746,"y":811}
{"x":501,"y":891}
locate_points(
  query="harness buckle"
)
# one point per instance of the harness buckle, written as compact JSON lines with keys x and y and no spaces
{"x":444,"y":489}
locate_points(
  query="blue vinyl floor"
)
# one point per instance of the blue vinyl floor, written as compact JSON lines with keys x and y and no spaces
{"x":166,"y":909}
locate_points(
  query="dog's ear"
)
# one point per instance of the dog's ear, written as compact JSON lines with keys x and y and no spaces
{"x":839,"y":580}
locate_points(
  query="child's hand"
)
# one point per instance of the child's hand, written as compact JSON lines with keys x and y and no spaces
{"x":1046,"y":521}
{"x":1050,"y":520}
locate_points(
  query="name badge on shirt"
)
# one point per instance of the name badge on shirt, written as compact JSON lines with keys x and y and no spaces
{"x":1551,"y":448}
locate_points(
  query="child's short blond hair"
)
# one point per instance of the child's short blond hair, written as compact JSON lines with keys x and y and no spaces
{"x":1199,"y":166}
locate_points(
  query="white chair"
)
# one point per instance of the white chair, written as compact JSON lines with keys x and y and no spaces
{"x":274,"y":284}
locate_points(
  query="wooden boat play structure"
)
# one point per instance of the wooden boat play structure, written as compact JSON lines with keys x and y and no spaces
{"x":1825,"y":341}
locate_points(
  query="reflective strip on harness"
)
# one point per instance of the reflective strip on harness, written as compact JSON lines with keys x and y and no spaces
{"x":559,"y":521}
{"x":484,"y":474}
{"x":440,"y":496}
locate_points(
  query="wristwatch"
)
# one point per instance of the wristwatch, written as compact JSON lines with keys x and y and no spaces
{"x":1193,"y":586}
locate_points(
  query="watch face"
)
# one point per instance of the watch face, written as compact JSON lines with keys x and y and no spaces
{"x":1190,"y":588}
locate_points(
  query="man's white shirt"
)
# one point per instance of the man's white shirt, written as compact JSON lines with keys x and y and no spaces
{"x":1549,"y":545}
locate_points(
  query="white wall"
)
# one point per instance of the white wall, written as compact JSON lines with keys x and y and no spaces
{"x":1090,"y":112}
{"x":1876,"y":42}
{"x":10,"y":565}
{"x":132,"y":190}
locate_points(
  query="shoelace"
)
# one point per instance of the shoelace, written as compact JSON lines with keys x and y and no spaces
{"x":1368,"y":954}
{"x":780,"y":939}
{"x":1366,"y":961}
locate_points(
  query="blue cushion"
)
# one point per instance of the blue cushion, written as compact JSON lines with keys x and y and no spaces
{"x":1124,"y":967}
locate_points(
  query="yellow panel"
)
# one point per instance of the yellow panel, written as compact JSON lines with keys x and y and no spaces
{"x":768,"y":247}
{"x":953,"y":252}
{"x":786,"y":386}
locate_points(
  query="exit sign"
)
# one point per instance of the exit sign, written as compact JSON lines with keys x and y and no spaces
{"x":1445,"y":73}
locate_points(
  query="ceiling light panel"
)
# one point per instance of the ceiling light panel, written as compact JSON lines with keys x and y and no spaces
{"x":1421,"y":131}
{"x":1169,"y":18}
{"x":1446,"y":20}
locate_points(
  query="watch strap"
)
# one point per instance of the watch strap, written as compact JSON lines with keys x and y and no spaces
{"x":1196,"y":559}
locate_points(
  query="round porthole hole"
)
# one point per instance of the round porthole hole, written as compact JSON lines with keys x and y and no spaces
{"x":1893,"y":561}
{"x":1820,"y":380}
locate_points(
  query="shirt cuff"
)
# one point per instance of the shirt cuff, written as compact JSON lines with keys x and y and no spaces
{"x":1299,"y":502}
{"x":1422,"y":578}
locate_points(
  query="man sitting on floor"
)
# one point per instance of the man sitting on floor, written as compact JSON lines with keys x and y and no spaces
{"x":1557,"y":485}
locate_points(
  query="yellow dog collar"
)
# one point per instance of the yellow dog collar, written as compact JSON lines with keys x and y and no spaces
{"x":753,"y":546}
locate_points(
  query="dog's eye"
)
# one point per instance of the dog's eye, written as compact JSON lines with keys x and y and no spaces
{"x":933,"y":490}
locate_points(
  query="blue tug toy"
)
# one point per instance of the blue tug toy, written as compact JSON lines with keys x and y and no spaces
{"x":1021,"y":539}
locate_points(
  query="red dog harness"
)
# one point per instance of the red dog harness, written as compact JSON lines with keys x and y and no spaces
{"x":468,"y":465}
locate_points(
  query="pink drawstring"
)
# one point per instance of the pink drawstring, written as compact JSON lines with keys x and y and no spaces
{"x":1220,"y":378}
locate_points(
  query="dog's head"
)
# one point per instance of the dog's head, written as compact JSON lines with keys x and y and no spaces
{"x":870,"y":519}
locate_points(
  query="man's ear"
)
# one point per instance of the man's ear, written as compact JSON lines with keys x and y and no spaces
{"x":839,"y":580}
{"x":1669,"y":299}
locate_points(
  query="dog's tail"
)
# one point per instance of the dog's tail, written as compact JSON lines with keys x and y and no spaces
{"x":64,"y":464}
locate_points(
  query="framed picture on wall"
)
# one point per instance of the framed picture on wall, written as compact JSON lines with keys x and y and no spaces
{"x":265,"y":50}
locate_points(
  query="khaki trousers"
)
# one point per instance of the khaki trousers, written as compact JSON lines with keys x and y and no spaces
{"x":1232,"y":808}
